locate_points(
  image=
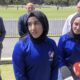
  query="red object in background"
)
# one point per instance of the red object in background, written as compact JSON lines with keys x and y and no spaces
{"x":76,"y":69}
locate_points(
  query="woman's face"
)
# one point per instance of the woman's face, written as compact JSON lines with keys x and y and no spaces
{"x":76,"y":26}
{"x":35,"y":27}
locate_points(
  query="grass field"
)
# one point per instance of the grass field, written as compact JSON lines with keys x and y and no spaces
{"x":51,"y":12}
{"x":7,"y":72}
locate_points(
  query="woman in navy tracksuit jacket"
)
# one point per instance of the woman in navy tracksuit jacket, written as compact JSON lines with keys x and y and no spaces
{"x":69,"y":45}
{"x":35,"y":56}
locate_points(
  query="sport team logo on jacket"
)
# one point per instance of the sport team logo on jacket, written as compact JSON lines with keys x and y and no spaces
{"x":51,"y":54}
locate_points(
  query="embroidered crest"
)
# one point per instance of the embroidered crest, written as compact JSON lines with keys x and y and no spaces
{"x":51,"y":54}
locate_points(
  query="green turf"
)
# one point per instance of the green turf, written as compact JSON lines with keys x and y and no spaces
{"x":11,"y":13}
{"x":62,"y":13}
{"x":7,"y":72}
{"x":51,"y":12}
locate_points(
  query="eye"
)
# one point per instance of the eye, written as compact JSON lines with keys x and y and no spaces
{"x":76,"y":24}
{"x":29,"y":24}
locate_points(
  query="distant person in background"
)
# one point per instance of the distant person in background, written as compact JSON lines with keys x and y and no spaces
{"x":57,"y":7}
{"x":35,"y":56}
{"x":69,"y":47}
{"x":2,"y":35}
{"x":22,"y":20}
{"x":67,"y":25}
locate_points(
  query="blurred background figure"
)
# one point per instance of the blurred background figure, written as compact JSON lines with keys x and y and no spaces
{"x":67,"y":24}
{"x":22,"y":20}
{"x":2,"y":36}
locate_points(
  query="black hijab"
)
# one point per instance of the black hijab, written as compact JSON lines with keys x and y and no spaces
{"x":44,"y":21}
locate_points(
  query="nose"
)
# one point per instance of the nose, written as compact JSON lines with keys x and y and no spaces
{"x":33,"y":27}
{"x":30,"y":9}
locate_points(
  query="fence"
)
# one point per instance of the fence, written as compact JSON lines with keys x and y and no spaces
{"x":55,"y":28}
{"x":12,"y":32}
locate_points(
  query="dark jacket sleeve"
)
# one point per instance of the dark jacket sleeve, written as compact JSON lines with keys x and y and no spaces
{"x":2,"y":30}
{"x":19,"y":63}
{"x":22,"y":26}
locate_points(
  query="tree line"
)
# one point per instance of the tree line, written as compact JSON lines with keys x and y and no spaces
{"x":48,"y":2}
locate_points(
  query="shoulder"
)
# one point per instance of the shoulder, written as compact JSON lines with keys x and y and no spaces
{"x":23,"y":42}
{"x":25,"y":39}
{"x":52,"y":44}
{"x":51,"y":41}
{"x":26,"y":14}
{"x":64,"y":37}
{"x":1,"y":19}
{"x":70,"y":16}
{"x":22,"y":17}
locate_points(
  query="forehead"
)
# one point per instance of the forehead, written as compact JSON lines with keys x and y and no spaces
{"x":77,"y":19}
{"x":30,"y":5}
{"x":32,"y":19}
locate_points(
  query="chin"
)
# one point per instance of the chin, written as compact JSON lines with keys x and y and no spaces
{"x":77,"y":33}
{"x":35,"y":37}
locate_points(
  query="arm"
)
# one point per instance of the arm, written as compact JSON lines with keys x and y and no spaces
{"x":2,"y":30}
{"x":19,"y":63}
{"x":64,"y":70}
{"x":54,"y":66}
{"x":21,"y":26}
{"x":61,"y":52}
